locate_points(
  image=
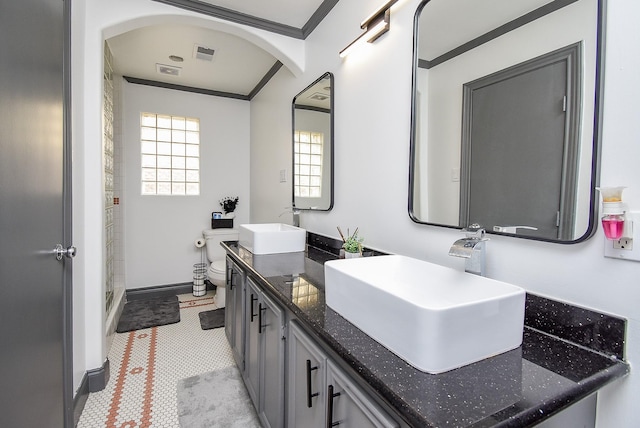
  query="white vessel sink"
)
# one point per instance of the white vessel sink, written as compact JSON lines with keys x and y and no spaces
{"x":272,"y":238}
{"x":433,"y":317}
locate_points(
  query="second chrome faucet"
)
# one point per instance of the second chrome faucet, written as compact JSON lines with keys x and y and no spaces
{"x":472,"y":249}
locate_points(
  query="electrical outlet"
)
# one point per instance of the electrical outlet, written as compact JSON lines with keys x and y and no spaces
{"x":623,"y":248}
{"x":623,"y":244}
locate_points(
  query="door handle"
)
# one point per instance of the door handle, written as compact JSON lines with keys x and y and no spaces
{"x":309,"y":394}
{"x":60,"y":251}
{"x":512,"y":229}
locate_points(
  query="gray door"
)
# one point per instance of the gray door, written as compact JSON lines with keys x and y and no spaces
{"x":34,"y":301}
{"x":517,"y":151}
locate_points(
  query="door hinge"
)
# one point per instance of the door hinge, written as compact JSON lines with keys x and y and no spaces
{"x":564,"y":103}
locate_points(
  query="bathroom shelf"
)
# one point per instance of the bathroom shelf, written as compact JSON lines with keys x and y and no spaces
{"x":222,"y":223}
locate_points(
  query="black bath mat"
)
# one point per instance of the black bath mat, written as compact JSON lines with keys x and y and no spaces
{"x":139,"y":314}
{"x":212,"y":319}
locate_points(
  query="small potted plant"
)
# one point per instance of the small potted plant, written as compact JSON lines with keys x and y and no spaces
{"x":228,"y":204}
{"x":352,"y":244}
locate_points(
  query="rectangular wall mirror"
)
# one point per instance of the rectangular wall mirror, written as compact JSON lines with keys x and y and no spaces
{"x":313,"y":146}
{"x":506,"y":116}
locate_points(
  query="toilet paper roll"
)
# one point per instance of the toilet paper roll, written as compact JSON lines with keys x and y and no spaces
{"x":200,"y":243}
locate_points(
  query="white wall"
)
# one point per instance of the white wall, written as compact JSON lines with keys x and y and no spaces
{"x":161,"y":230}
{"x":373,"y":92}
{"x":93,"y":22}
{"x":271,"y":149}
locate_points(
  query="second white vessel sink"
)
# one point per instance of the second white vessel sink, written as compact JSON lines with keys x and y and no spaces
{"x":272,"y":238}
{"x":433,"y":317}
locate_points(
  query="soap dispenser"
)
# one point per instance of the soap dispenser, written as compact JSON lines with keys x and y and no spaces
{"x":612,"y":212}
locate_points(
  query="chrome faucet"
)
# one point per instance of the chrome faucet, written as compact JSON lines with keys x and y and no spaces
{"x":296,"y":215}
{"x":472,"y":249}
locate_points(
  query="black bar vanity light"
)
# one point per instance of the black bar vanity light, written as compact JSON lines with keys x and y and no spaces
{"x":375,"y":25}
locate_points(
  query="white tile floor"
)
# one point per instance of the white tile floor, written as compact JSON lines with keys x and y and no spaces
{"x":146,"y":366}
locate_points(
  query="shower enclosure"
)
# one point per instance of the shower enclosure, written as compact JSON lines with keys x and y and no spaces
{"x":114,"y":277}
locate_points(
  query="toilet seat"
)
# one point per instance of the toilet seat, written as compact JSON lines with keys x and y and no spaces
{"x":216,"y":254}
{"x":217,"y":274}
{"x":218,"y":266}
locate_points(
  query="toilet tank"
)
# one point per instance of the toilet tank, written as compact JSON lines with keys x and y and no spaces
{"x":213,"y":237}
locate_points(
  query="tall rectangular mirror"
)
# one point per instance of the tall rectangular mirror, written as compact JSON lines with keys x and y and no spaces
{"x":313,"y":146}
{"x":506,"y":116}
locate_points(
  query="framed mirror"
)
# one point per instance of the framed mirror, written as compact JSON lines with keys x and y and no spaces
{"x":313,"y":146}
{"x":506,"y":116}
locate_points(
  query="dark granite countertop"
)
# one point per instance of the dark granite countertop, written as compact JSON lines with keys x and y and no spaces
{"x":518,"y":388}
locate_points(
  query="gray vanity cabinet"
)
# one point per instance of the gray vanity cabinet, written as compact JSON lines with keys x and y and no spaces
{"x":306,"y":387}
{"x":322,"y":395}
{"x":348,"y":406}
{"x":264,"y":355}
{"x":234,"y":311}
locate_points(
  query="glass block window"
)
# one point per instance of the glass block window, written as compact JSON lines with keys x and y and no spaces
{"x":170,"y":153}
{"x":303,"y":293}
{"x":307,"y":172}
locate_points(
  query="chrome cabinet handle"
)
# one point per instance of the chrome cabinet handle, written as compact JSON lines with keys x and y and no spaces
{"x":60,"y":252}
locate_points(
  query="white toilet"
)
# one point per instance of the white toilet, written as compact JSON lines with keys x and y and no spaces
{"x":217,"y":256}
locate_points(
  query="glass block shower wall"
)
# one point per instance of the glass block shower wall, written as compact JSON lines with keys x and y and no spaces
{"x":107,"y":144}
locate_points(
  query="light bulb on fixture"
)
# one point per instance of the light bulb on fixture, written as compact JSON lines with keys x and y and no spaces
{"x":378,"y":23}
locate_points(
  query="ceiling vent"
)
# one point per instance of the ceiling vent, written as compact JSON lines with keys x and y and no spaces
{"x":203,"y":53}
{"x":168,"y":70}
{"x":319,"y":96}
